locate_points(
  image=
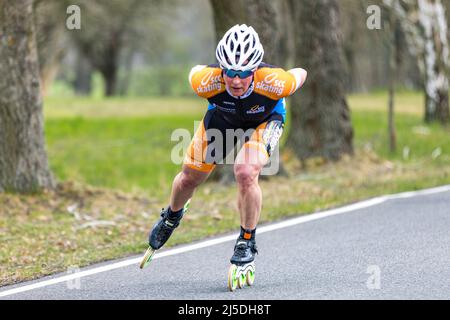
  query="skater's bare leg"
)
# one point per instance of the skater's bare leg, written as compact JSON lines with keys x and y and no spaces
{"x":183,"y":188}
{"x":249,"y":164}
{"x":184,"y":185}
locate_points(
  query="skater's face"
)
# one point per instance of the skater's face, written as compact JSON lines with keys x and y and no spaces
{"x":237,"y":86}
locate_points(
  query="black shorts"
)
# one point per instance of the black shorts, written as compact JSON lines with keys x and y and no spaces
{"x":215,"y":140}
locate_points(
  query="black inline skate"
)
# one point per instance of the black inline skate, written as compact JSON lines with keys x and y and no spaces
{"x":242,"y":269}
{"x":161,"y":232}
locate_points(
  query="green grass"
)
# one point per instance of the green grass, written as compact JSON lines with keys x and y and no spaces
{"x":104,"y":143}
{"x":371,"y":128}
{"x":119,"y":107}
{"x":370,"y":122}
{"x":117,"y":143}
{"x":115,"y":153}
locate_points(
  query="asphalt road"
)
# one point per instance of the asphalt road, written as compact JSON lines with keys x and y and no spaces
{"x":398,"y":249}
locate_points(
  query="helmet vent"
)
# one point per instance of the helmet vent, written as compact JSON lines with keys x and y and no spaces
{"x":240,"y":49}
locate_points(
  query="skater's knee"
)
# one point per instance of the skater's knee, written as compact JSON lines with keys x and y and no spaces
{"x":246,"y":174}
{"x":189,"y":179}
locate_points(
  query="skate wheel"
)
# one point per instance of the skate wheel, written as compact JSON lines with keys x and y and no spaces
{"x":241,"y":280}
{"x":250,"y":277}
{"x":232,"y":278}
{"x":147,"y":258}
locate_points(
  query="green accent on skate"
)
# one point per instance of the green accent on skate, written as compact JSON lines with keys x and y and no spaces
{"x":233,"y":282}
{"x":250,"y":277}
{"x":242,"y":280}
{"x":150,"y":258}
{"x":147,"y":258}
{"x":186,"y":206}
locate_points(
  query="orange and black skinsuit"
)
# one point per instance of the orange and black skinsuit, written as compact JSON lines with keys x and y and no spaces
{"x":262,"y":108}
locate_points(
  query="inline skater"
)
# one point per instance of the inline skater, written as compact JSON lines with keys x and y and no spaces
{"x":243,"y":93}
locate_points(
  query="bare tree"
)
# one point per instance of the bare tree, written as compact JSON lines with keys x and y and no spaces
{"x":285,"y":33}
{"x":225,"y":15}
{"x":354,"y":34}
{"x":103,"y":39}
{"x":393,"y":66}
{"x":82,"y":83}
{"x":320,"y":115}
{"x":50,"y":36}
{"x":425,"y":25}
{"x":23,"y":159}
{"x":265,"y":16}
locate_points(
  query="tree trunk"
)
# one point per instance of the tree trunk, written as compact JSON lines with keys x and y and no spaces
{"x":109,"y":65}
{"x":392,"y":81}
{"x":125,"y":78}
{"x":286,"y":34}
{"x":83,"y":76}
{"x":261,"y":15}
{"x":226,"y":15}
{"x":352,"y":36}
{"x":446,"y":5}
{"x":23,"y":159}
{"x":434,"y":25}
{"x":49,"y":17}
{"x":103,"y":47}
{"x":110,"y":77}
{"x":425,"y":25}
{"x":320,"y":114}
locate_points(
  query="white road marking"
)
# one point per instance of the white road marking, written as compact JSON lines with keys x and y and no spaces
{"x":208,"y":243}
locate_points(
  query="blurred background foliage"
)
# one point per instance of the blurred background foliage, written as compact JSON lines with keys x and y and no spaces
{"x":151,"y":48}
{"x":148,"y":51}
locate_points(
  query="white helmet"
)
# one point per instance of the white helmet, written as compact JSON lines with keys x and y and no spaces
{"x":240,"y":49}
